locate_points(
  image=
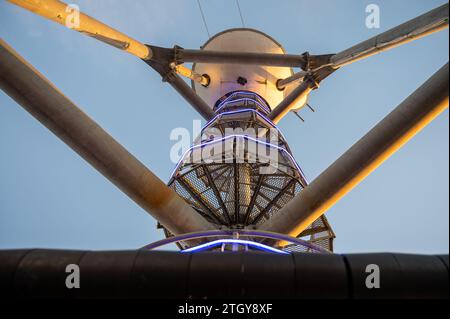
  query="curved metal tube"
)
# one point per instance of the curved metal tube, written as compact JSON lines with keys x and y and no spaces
{"x":231,"y":232}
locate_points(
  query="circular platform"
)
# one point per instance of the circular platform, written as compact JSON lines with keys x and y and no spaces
{"x":224,"y":77}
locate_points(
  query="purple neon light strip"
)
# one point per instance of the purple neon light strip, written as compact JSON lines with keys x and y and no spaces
{"x":242,"y":99}
{"x":234,"y":241}
{"x":261,"y":102}
{"x":245,"y":93}
{"x":245,"y":137}
{"x":242,"y":111}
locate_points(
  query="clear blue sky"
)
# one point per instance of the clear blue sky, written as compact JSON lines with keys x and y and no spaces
{"x":50,"y":197}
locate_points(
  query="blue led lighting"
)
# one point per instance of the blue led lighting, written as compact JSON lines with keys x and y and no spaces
{"x":219,"y":242}
{"x":246,"y":93}
{"x":241,"y":111}
{"x":222,"y":105}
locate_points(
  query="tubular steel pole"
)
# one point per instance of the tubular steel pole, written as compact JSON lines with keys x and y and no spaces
{"x":282,"y":83}
{"x":63,"y":14}
{"x":296,"y":99}
{"x":190,"y":74}
{"x":266,"y":59}
{"x":430,"y":22}
{"x":49,"y":106}
{"x":190,"y":96}
{"x":411,"y":116}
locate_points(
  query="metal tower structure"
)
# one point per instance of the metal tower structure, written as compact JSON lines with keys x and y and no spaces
{"x":239,"y":181}
{"x":238,"y":188}
{"x":240,"y":172}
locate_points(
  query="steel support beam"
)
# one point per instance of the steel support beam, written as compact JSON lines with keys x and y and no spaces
{"x":163,"y":63}
{"x":216,"y":192}
{"x":189,"y":95}
{"x":274,"y":201}
{"x":65,"y":15}
{"x":430,"y":22}
{"x":295,"y":100}
{"x":49,"y":106}
{"x":411,"y":116}
{"x":58,"y":12}
{"x":190,"y":74}
{"x":263,"y":59}
{"x":282,"y":83}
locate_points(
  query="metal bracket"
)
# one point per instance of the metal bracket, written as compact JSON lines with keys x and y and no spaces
{"x":160,"y":62}
{"x":178,"y":54}
{"x":307,"y":58}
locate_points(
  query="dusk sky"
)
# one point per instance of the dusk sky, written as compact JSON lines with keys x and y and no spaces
{"x":52,"y":198}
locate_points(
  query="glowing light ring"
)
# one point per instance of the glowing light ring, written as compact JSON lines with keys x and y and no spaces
{"x":241,"y":111}
{"x":262,"y":103}
{"x":233,"y":232}
{"x":218,"y":242}
{"x":239,"y":100}
{"x":258,"y":100}
{"x":304,"y":180}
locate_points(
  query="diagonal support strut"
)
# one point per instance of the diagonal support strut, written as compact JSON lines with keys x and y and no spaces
{"x":389,"y":135}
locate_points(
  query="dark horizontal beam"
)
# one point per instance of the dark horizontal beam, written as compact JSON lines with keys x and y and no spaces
{"x":264,"y":59}
{"x":162,"y":274}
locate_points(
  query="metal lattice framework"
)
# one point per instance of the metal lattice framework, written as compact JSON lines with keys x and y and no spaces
{"x":240,"y":171}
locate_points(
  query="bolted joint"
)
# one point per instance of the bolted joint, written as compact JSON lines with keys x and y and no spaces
{"x":169,"y":77}
{"x":307,"y":61}
{"x":160,"y":55}
{"x":178,"y":54}
{"x":312,"y":80}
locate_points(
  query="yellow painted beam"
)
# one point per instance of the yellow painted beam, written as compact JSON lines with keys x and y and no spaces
{"x":37,"y":95}
{"x":68,"y":16}
{"x":186,"y":72}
